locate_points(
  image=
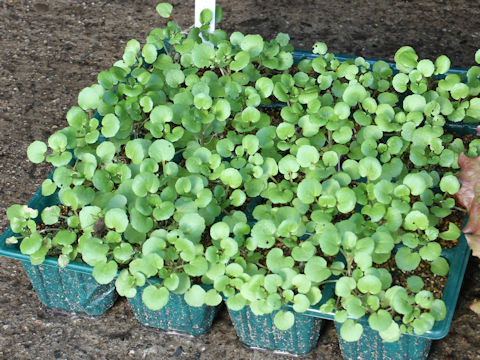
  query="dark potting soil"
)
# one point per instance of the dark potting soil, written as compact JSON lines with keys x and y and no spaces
{"x":274,"y":113}
{"x":51,"y":49}
{"x":432,"y":282}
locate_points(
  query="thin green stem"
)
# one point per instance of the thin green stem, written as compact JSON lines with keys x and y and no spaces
{"x":49,"y":230}
{"x":273,"y":179}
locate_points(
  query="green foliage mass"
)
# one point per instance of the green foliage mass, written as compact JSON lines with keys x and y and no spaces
{"x":226,"y":165}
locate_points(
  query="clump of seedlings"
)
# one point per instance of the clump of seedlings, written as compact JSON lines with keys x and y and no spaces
{"x":229,"y":170}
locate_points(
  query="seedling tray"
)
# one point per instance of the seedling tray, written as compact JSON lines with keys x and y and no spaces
{"x":372,"y":347}
{"x":72,"y":288}
{"x":457,"y":257}
{"x":176,"y":316}
{"x":259,"y":331}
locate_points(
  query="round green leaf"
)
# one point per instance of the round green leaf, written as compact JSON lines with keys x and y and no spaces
{"x":277,"y":261}
{"x":264,"y":86}
{"x":174,"y":78}
{"x":438,"y":310}
{"x":308,"y":190}
{"x":250,"y":143}
{"x":50,"y":215}
{"x":155,"y":298}
{"x":369,"y":284}
{"x":136,"y":150}
{"x":414,"y":102}
{"x":116,"y":219}
{"x":392,"y":333}
{"x":76,"y":117}
{"x":380,"y":321}
{"x":195,"y":296}
{"x":48,"y":187}
{"x":106,"y":151}
{"x":253,"y":44}
{"x":212,"y":298}
{"x":284,"y":320}
{"x":426,"y":67}
{"x":354,"y":94}
{"x":241,"y":60}
{"x":192,"y":224}
{"x":449,"y":184}
{"x":319,"y":48}
{"x":164,"y":9}
{"x":222,"y":109}
{"x":407,"y":260}
{"x":351,"y":331}
{"x":161,"y":150}
{"x":123,"y":253}
{"x":31,"y":244}
{"x":346,"y":200}
{"x":304,"y":251}
{"x":161,"y":114}
{"x":301,"y":303}
{"x":344,"y":286}
{"x":442,"y":64}
{"x":231,"y":177}
{"x":415,"y":220}
{"x":104,"y":273}
{"x":415,"y":283}
{"x":459,"y":91}
{"x":307,"y":155}
{"x":219,"y":231}
{"x":370,"y":167}
{"x":440,"y":266}
{"x":90,"y":97}
{"x":36,"y":151}
{"x":400,"y":82}
{"x":238,"y":197}
{"x":149,"y":53}
{"x":430,"y":251}
{"x":202,"y":55}
{"x":202,"y":101}
{"x":416,"y":182}
{"x":110,"y":125}
{"x":330,"y":158}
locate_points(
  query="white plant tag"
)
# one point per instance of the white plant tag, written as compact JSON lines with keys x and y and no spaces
{"x":200,"y":5}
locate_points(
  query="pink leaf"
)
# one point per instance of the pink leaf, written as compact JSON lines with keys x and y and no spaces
{"x":473,"y":224}
{"x":469,"y":177}
{"x":475,"y":306}
{"x":469,"y":197}
{"x":474,"y":243}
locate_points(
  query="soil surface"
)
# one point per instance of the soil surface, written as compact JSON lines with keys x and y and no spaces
{"x":51,"y":49}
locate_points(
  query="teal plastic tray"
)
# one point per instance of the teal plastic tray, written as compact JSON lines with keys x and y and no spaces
{"x":457,"y":256}
{"x":176,"y":316}
{"x":371,"y":346}
{"x":39,"y":202}
{"x":72,"y":288}
{"x":305,"y":54}
{"x":259,"y":331}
